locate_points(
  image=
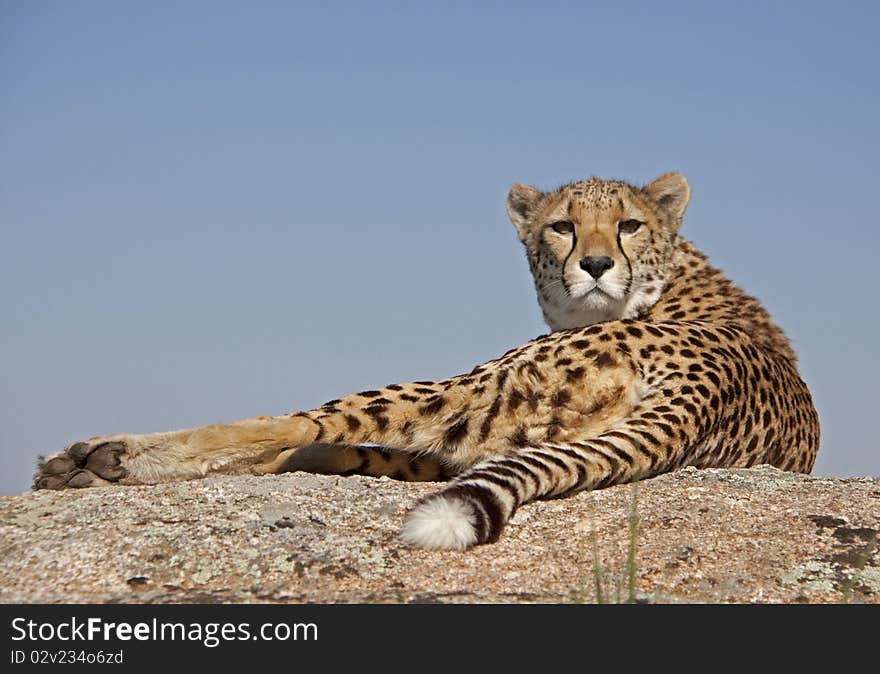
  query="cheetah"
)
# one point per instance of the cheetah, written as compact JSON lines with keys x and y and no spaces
{"x":655,"y":361}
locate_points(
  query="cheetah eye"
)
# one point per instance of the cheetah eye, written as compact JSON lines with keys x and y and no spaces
{"x":629,"y":226}
{"x":563,"y":227}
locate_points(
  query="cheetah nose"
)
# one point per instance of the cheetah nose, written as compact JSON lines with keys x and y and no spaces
{"x":596,"y":266}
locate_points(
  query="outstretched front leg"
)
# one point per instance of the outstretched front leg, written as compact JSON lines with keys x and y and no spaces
{"x":420,"y":425}
{"x":449,"y":425}
{"x":239,"y":447}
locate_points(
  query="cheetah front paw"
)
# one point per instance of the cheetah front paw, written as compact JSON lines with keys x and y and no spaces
{"x":92,"y":463}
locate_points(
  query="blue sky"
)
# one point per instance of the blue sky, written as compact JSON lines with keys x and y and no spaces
{"x":215,"y":210}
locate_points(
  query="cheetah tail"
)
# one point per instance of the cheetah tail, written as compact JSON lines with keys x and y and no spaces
{"x":477,"y":504}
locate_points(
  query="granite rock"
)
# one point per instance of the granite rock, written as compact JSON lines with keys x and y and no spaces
{"x":706,"y":536}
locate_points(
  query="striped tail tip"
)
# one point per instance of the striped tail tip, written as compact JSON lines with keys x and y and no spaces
{"x":455,"y":519}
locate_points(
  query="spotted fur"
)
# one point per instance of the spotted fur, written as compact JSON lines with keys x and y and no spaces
{"x":656,"y":361}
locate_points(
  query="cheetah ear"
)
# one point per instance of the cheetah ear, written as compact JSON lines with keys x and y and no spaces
{"x":521,"y":202}
{"x":671,"y":193}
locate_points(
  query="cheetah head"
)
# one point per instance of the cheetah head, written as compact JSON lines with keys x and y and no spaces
{"x":599,"y":250}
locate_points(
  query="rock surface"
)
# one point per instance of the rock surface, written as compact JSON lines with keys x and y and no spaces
{"x":758,"y":535}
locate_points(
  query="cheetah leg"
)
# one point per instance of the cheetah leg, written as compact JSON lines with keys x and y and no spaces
{"x":238,"y":447}
{"x":321,"y":440}
{"x":339,"y":459}
{"x":506,"y":404}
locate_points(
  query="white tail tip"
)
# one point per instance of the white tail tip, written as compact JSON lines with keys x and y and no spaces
{"x":441,"y":523}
